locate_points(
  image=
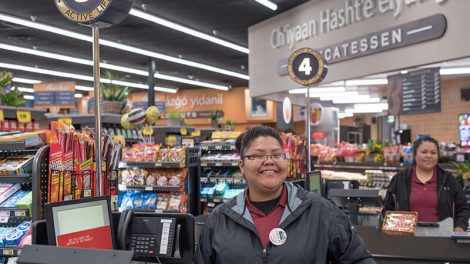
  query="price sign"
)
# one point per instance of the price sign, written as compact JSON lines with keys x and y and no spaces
{"x":196,"y":133}
{"x":2,"y":116}
{"x":65,"y":120}
{"x":147,"y":131}
{"x":23,"y":116}
{"x":307,"y":67}
{"x":183,"y":131}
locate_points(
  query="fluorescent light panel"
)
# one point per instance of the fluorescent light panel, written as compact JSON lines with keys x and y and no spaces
{"x":186,"y":30}
{"x":51,"y":55}
{"x":353,"y":100}
{"x":267,"y":4}
{"x":79,"y":77}
{"x":366,"y":82}
{"x":25,"y":90}
{"x":116,"y":45}
{"x":23,"y":80}
{"x":332,"y":89}
{"x":78,"y":95}
{"x":452,"y":71}
{"x":28,"y":97}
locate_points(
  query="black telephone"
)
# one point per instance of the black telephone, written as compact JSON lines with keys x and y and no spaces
{"x":149,"y":235}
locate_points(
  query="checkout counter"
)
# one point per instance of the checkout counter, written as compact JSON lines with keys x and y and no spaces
{"x":388,"y":249}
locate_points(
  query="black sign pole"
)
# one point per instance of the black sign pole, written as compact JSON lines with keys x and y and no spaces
{"x":96,"y":78}
{"x":307,"y":67}
{"x":96,"y":14}
{"x":309,"y":128}
{"x":151,"y":81}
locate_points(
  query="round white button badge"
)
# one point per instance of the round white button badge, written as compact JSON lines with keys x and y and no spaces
{"x":277,"y":236}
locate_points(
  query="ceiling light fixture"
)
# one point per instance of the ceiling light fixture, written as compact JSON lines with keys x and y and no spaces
{"x":331,"y":89}
{"x":84,"y":88}
{"x":189,"y":31}
{"x":366,"y":82}
{"x":108,"y":66}
{"x":25,"y":90}
{"x":23,"y":80}
{"x":453,"y":71}
{"x":80,"y":77}
{"x":116,"y":45}
{"x":267,"y":4}
{"x":354,"y":100}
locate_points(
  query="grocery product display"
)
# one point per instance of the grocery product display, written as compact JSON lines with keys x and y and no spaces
{"x":154,"y":177}
{"x":221,"y":178}
{"x":161,"y":108}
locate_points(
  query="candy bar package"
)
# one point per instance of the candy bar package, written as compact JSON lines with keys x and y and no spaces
{"x":11,"y":202}
{"x":16,"y":164}
{"x":26,"y":202}
{"x":400,"y":223}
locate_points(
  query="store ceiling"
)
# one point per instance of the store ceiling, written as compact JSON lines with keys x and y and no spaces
{"x":226,"y":19}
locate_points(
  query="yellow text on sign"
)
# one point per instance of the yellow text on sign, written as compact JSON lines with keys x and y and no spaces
{"x":23,"y":116}
{"x":65,"y":120}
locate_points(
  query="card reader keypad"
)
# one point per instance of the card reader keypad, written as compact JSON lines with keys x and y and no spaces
{"x":143,"y":245}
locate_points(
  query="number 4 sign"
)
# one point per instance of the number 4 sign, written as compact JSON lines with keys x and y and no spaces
{"x":307,"y":67}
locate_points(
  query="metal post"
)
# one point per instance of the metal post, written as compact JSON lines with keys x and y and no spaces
{"x":96,"y":76}
{"x":151,"y":81}
{"x":309,"y":132}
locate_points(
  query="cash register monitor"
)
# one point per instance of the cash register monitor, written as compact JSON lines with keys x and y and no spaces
{"x":83,"y":223}
{"x":314,"y":182}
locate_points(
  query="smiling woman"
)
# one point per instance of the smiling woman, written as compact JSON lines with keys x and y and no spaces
{"x":427,"y":189}
{"x":274,"y":221}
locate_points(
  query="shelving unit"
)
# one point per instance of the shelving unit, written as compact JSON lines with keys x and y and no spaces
{"x":218,"y":165}
{"x":9,"y":112}
{"x":189,"y":186}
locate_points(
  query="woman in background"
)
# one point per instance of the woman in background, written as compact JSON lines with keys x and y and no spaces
{"x":428,"y":189}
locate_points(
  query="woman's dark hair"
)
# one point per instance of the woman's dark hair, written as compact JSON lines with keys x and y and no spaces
{"x":420,"y":141}
{"x":245,"y":139}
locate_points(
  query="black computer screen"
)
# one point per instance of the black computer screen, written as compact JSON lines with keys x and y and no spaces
{"x":83,"y":223}
{"x":314,"y":182}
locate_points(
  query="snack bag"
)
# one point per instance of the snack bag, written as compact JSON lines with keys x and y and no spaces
{"x":162,"y":201}
{"x":150,"y":201}
{"x":127,"y":154}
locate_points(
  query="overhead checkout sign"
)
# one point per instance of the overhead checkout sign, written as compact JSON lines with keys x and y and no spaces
{"x":307,"y":67}
{"x":414,"y":32}
{"x":97,"y":13}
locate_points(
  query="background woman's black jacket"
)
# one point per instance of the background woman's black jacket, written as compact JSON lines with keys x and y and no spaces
{"x":450,"y":196}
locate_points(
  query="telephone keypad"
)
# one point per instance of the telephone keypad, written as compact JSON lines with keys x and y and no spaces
{"x":143,"y":245}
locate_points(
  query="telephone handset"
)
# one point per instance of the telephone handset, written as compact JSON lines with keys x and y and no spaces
{"x":148,"y":235}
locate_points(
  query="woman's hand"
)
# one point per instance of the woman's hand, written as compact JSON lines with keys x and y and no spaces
{"x":458,"y":229}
